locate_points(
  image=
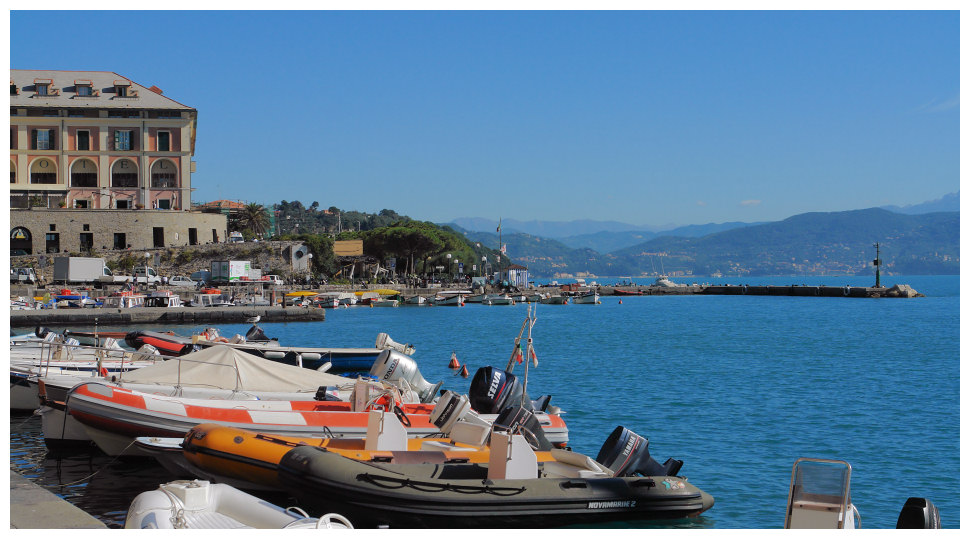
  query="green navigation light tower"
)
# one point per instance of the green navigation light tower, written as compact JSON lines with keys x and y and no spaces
{"x":877,"y":263}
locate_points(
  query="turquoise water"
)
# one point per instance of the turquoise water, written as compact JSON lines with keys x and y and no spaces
{"x":737,"y":387}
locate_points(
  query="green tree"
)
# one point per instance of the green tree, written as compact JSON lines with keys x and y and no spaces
{"x":254,"y":218}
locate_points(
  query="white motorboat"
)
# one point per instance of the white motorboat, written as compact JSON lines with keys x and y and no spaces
{"x":199,"y":504}
{"x":454,"y":300}
{"x":163,"y":298}
{"x":498,"y":299}
{"x":385,"y":302}
{"x":588,"y":298}
{"x":32,"y":357}
{"x":664,"y":282}
{"x":476,"y":298}
{"x":554,"y":300}
{"x":416,"y":300}
{"x":122,"y":300}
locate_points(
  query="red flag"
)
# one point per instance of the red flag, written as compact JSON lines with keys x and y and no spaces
{"x":518,"y":355}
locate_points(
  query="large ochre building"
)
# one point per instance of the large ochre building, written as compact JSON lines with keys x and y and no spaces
{"x":99,"y":161}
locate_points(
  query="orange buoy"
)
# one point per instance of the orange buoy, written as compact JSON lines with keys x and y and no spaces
{"x":464,"y":371}
{"x":454,"y":361}
{"x":621,"y":302}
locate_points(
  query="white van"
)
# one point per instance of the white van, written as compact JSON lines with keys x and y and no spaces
{"x":140,"y":275}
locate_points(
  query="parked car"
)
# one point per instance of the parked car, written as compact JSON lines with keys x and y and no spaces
{"x":181,"y":280}
{"x":273,"y":279}
{"x":23,"y":275}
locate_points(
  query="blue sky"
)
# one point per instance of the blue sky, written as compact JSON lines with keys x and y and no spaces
{"x":650,"y":118}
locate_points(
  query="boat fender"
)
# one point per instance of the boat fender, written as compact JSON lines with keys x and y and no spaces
{"x":744,"y":289}
{"x":845,"y":291}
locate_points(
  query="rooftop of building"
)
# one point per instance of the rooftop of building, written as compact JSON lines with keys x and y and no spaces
{"x":222,"y":205}
{"x":64,"y":84}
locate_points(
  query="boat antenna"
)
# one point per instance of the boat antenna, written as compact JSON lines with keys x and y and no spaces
{"x":515,"y":347}
{"x":530,"y":318}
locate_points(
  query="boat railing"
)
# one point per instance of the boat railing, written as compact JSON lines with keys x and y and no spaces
{"x":55,"y":351}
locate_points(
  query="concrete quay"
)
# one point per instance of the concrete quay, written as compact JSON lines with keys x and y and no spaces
{"x":161,"y":315}
{"x":34,"y":507}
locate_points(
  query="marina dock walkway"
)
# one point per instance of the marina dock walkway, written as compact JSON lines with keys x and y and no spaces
{"x":34,"y":507}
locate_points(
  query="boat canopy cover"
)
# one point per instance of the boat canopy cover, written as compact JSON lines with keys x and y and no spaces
{"x":225,"y":367}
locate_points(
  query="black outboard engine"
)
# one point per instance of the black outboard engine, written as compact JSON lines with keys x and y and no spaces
{"x":918,"y":513}
{"x":326,"y":393}
{"x":255,"y":334}
{"x":519,"y":420}
{"x":41,"y":332}
{"x":625,"y":452}
{"x":494,"y":390}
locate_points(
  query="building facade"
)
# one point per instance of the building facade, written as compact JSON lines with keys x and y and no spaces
{"x":98,"y":162}
{"x":97,"y":140}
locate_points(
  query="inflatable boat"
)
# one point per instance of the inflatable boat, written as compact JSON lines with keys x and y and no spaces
{"x":198,"y":504}
{"x":250,"y":460}
{"x":114,"y":416}
{"x":512,"y":490}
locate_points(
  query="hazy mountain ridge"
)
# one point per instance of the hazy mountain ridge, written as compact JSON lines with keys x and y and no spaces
{"x":807,"y":244}
{"x":948,"y":202}
{"x":608,"y":236}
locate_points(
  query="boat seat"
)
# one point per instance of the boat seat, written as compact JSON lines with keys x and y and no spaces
{"x":573,"y":465}
{"x":210,"y":520}
{"x":469,"y":433}
{"x":511,"y":457}
{"x":440,"y":445}
{"x":385,"y":432}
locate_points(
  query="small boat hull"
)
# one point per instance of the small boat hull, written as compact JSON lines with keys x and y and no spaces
{"x":459,"y":496}
{"x":198,"y":504}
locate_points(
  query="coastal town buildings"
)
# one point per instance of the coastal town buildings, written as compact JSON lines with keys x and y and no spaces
{"x":98,"y":161}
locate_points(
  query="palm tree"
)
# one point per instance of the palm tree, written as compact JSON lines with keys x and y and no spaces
{"x":254,"y":218}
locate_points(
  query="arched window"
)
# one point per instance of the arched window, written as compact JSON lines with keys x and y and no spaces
{"x":43,"y":171}
{"x":164,"y":175}
{"x":124,"y":173}
{"x":84,"y":173}
{"x":20,"y":240}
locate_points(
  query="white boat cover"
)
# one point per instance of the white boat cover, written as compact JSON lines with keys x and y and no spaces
{"x":225,"y":367}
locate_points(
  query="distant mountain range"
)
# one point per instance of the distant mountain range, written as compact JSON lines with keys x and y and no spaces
{"x":608,"y":236}
{"x":836,"y":243}
{"x":949,"y":202}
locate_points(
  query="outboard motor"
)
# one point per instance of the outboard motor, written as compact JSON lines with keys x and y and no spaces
{"x":255,"y":334}
{"x":449,"y":409}
{"x":919,"y":513}
{"x":493,"y":390}
{"x":523,"y":421}
{"x":385,"y":342}
{"x":148,"y":350}
{"x":393,"y":366}
{"x":41,"y":332}
{"x":326,"y":393}
{"x":625,"y":452}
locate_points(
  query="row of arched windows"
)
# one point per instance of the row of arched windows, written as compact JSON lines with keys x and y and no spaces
{"x":84,"y":173}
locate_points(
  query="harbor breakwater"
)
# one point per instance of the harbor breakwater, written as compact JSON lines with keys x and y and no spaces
{"x":154,"y":315}
{"x":217,"y":315}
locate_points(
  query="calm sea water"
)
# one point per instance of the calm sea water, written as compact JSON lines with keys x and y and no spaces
{"x":737,"y":387}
